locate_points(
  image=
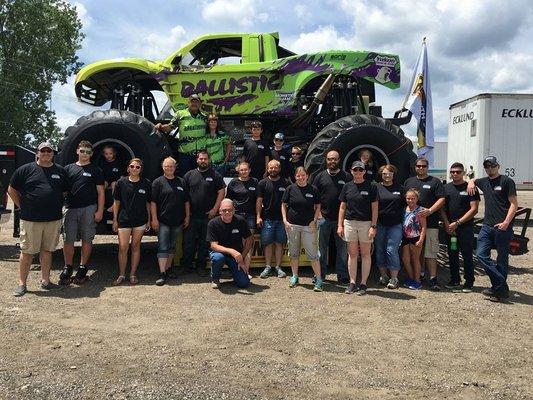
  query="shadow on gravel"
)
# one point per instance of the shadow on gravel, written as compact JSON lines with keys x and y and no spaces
{"x":228,"y":287}
{"x":389,"y":294}
{"x":9,"y":252}
{"x":516,"y":297}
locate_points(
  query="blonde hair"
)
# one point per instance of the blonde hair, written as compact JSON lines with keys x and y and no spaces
{"x":138,"y":161}
{"x":413,"y":191}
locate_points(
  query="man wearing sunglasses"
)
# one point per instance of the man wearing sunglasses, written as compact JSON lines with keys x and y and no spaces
{"x":85,"y":208}
{"x":38,"y":189}
{"x":432,"y":199}
{"x":281,"y":153}
{"x":501,"y":203}
{"x":457,"y":215}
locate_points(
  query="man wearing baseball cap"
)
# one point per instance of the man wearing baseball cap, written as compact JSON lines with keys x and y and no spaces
{"x":38,"y":189}
{"x":281,"y":153}
{"x":191,"y":124}
{"x":501,"y":203}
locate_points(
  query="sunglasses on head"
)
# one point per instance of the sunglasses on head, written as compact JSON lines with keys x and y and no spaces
{"x":46,"y":151}
{"x":135,"y":166}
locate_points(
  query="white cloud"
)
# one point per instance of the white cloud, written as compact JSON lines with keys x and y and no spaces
{"x":238,"y":12}
{"x":323,"y":38}
{"x":84,"y":17}
{"x":154,"y":45}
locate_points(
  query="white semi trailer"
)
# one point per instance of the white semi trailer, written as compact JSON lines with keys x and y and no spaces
{"x":494,"y":124}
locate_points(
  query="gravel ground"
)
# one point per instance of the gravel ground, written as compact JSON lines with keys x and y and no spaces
{"x":187,"y":341}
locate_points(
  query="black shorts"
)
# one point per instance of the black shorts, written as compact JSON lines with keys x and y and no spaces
{"x":406,"y":241}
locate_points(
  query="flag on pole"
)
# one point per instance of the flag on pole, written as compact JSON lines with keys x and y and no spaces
{"x":418,"y":102}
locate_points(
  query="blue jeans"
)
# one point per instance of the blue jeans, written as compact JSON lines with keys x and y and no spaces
{"x":465,"y":244}
{"x":195,"y":233}
{"x":487,"y":239}
{"x":218,"y":260}
{"x":273,"y":231}
{"x":166,"y":240}
{"x":326,"y":227}
{"x":186,"y":162}
{"x":387,"y":246}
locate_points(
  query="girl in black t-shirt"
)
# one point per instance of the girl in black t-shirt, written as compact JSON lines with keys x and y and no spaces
{"x":131,"y":218}
{"x":365,"y":156}
{"x":300,"y":209}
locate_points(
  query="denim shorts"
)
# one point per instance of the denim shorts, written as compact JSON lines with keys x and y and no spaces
{"x":273,"y":231}
{"x":250,"y":220}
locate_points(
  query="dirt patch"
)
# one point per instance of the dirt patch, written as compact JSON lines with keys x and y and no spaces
{"x":185,"y":340}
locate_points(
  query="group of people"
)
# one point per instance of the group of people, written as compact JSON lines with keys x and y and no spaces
{"x":273,"y":196}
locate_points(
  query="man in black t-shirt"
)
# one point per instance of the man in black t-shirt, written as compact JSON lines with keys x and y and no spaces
{"x":457,"y":215}
{"x":85,"y":208}
{"x":281,"y":153}
{"x":431,"y":191}
{"x":231,"y":241}
{"x":497,"y":231}
{"x":268,"y":210}
{"x":255,"y":152}
{"x":38,"y":189}
{"x":206,"y":191}
{"x":329,"y":184}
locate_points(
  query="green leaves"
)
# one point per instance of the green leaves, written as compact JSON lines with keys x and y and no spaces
{"x":38,"y":44}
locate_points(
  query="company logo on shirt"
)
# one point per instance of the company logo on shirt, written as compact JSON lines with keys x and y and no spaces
{"x":234,"y":231}
{"x":86,"y":174}
{"x":142,"y":191}
{"x":341,"y":182}
{"x":251,"y":188}
{"x":309,"y":195}
{"x":463,"y":193}
{"x":179,"y":188}
{"x":115,"y":170}
{"x":209,"y":179}
{"x":281,"y":189}
{"x":396,"y":193}
{"x":497,"y":188}
{"x":55,"y":176}
{"x":426,"y":187}
{"x":282,"y":157}
{"x":364,"y":193}
{"x":260,"y":146}
{"x":369,"y":172}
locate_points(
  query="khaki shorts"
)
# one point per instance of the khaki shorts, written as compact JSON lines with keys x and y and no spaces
{"x":300,"y":235}
{"x":357,"y":231}
{"x":37,"y":236}
{"x":431,"y":244}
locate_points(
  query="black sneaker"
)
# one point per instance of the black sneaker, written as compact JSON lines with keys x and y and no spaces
{"x":171,"y":273}
{"x":352,"y":288}
{"x":453,"y":285}
{"x":467,"y":288}
{"x":81,"y":275}
{"x":498,"y":297}
{"x":487,"y":292}
{"x":20,"y":291}
{"x":343,"y":282}
{"x":361,"y":290}
{"x":65,"y":277}
{"x":162,"y":279}
{"x":49,"y":286}
{"x":434,"y":284}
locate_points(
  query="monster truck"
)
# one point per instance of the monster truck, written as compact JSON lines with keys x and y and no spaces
{"x":321,"y":101}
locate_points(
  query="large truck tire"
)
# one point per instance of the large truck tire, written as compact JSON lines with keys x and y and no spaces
{"x":130,"y":134}
{"x":349,"y":135}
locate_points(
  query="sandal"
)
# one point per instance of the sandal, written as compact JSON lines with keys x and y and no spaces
{"x":133,"y":280}
{"x":119,"y":280}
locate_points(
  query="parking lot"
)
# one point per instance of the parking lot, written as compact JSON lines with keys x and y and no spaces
{"x":185,"y":340}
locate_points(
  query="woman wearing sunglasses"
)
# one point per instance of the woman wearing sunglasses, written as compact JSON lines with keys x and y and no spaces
{"x":390,"y":217}
{"x":358,"y":216}
{"x":296,"y":161}
{"x":131,"y":217}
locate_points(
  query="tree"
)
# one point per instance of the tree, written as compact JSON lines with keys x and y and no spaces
{"x":38,"y":44}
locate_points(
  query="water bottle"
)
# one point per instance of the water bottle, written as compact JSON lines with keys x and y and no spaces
{"x":453,"y":242}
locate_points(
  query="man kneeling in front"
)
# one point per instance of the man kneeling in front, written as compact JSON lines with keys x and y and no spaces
{"x":231,"y":240}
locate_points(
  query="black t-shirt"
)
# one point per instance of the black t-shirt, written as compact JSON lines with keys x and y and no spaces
{"x":431,"y":189}
{"x":496,"y":193}
{"x":41,"y":191}
{"x":293,"y":166}
{"x":391,"y":204}
{"x":83,"y":181}
{"x":133,"y":197}
{"x":284,"y":157}
{"x":329,"y":188}
{"x":170,"y":196}
{"x":112,"y":170}
{"x":228,"y":235}
{"x":254,"y":152}
{"x":359,"y":198}
{"x":243,"y":194}
{"x":458,"y":201}
{"x":301,"y":203}
{"x":203,"y":190}
{"x":371,"y":172}
{"x":272,"y":193}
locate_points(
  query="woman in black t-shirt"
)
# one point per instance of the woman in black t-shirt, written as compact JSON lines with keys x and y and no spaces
{"x":365,"y":156}
{"x":389,"y":234}
{"x":300,"y":209}
{"x":243,"y":192}
{"x":131,"y":218}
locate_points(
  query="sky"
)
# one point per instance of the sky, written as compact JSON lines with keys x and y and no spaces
{"x":473,"y":46}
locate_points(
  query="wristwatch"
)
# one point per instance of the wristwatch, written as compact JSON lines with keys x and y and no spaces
{"x":373,"y":226}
